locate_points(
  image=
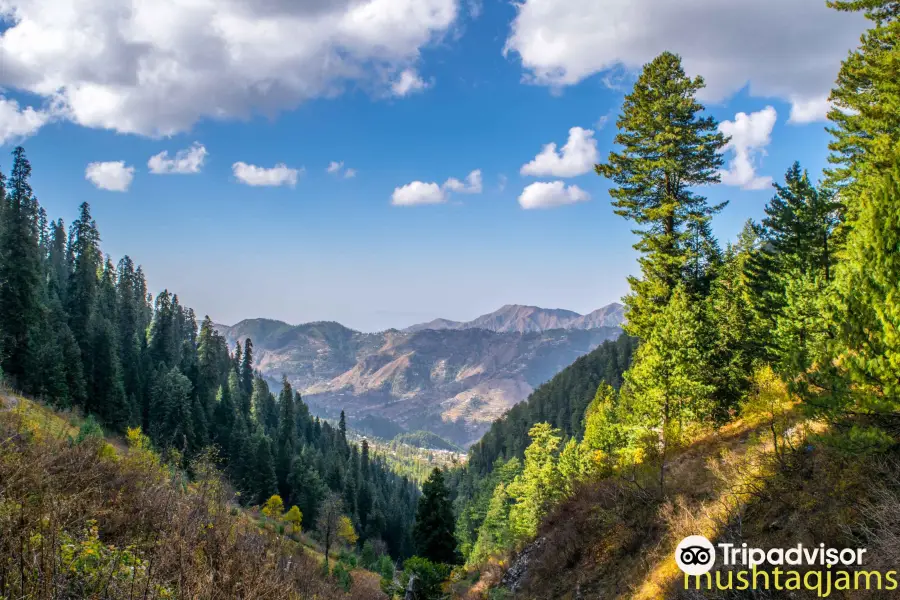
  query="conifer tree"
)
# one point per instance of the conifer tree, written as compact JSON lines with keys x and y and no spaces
{"x":84,"y":258}
{"x":286,"y":438}
{"x":668,"y":150}
{"x":247,"y":375}
{"x":434,"y":528}
{"x":866,"y":102}
{"x":20,"y":272}
{"x":539,"y":485}
{"x":265,"y":482}
{"x":667,"y":385}
{"x":867,"y":307}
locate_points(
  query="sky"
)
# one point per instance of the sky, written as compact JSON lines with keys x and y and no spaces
{"x":385,"y":162}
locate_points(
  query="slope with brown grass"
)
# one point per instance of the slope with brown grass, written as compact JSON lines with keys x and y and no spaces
{"x":83,"y":520}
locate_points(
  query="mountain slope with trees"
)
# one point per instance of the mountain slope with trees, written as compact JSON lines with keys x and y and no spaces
{"x":762,"y":403}
{"x":79,"y":331}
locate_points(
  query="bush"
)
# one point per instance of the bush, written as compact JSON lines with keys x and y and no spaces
{"x":89,"y":429}
{"x":342,"y":575}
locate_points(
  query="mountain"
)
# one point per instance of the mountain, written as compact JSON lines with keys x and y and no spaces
{"x":531,"y":319}
{"x":451,"y":381}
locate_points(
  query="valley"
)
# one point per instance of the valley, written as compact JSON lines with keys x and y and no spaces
{"x":450,"y":378}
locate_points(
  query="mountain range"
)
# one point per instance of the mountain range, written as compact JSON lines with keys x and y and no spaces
{"x":451,"y":378}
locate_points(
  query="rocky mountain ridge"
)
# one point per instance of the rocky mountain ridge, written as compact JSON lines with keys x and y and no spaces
{"x":451,"y":381}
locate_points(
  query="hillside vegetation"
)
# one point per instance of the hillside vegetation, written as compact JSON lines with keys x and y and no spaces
{"x":762,"y":403}
{"x":81,"y":518}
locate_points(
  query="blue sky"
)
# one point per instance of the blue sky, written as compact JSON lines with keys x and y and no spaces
{"x":400,"y":91}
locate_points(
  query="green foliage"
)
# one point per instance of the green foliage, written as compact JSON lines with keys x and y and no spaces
{"x":89,"y":429}
{"x":429,"y":579}
{"x":866,"y":304}
{"x":342,"y":575}
{"x":495,"y":534}
{"x":668,"y":150}
{"x":540,"y":483}
{"x":434,"y":527}
{"x":666,"y":387}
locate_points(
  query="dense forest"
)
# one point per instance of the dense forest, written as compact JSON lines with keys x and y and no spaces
{"x":77,"y":330}
{"x":793,"y":325}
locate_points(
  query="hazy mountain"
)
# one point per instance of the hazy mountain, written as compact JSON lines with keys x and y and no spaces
{"x":451,"y":381}
{"x":530,"y":319}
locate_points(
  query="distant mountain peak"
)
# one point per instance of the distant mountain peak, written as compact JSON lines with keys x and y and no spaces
{"x":522,"y":318}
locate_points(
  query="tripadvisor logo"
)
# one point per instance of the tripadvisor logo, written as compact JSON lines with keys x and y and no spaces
{"x":695,"y":555}
{"x":813,"y":568}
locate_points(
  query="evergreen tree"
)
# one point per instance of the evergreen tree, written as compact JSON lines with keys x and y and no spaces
{"x":265,"y":482}
{"x":866,"y":308}
{"x":866,"y":102}
{"x":667,"y":386}
{"x":20,"y":273}
{"x":342,"y":426}
{"x":668,"y":150}
{"x":434,"y":529}
{"x":539,"y":485}
{"x":84,"y":258}
{"x":247,"y":376}
{"x":286,"y":438}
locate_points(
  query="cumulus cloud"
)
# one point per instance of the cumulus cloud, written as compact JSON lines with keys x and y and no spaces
{"x":278,"y":175}
{"x":419,"y":192}
{"x":349,"y":173}
{"x":155,"y":68}
{"x":18,"y":123}
{"x":113,"y":175}
{"x":750,"y":134}
{"x":408,"y":83}
{"x":809,"y":111}
{"x":577,"y":157}
{"x":551,"y":194}
{"x":334,"y":166}
{"x":789,"y":49}
{"x":184,"y":162}
{"x":472,"y":184}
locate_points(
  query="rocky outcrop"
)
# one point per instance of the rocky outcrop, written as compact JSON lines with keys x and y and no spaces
{"x":518,"y":571}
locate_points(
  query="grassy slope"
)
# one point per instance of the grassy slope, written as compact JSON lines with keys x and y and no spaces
{"x":97,"y":519}
{"x":615,"y":539}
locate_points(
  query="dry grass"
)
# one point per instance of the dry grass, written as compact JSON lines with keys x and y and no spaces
{"x":84,"y":521}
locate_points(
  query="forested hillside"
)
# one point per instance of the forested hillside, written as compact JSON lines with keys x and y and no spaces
{"x":761,"y":405}
{"x":78,"y":330}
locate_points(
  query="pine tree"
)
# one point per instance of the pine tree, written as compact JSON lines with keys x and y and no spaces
{"x":867,"y":307}
{"x":434,"y":528}
{"x":20,"y":273}
{"x":495,"y":535}
{"x":668,"y":150}
{"x":84,"y":259}
{"x":667,"y":384}
{"x":265,"y":482}
{"x":866,"y":102}
{"x":342,"y":426}
{"x":286,"y":438}
{"x":539,"y":485}
{"x":247,"y":375}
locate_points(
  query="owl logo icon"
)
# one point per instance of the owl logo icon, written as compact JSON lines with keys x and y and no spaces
{"x":695,"y":555}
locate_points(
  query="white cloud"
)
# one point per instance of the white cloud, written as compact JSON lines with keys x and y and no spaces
{"x":578,"y":156}
{"x":550,"y":194}
{"x":113,"y":175}
{"x":789,"y":49}
{"x":809,"y":111}
{"x":418,"y":192}
{"x":280,"y":174}
{"x":18,"y":123}
{"x":156,"y":68}
{"x":185,"y":161}
{"x":750,"y":134}
{"x":408,"y":83}
{"x":337,"y":169}
{"x":472,"y":184}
